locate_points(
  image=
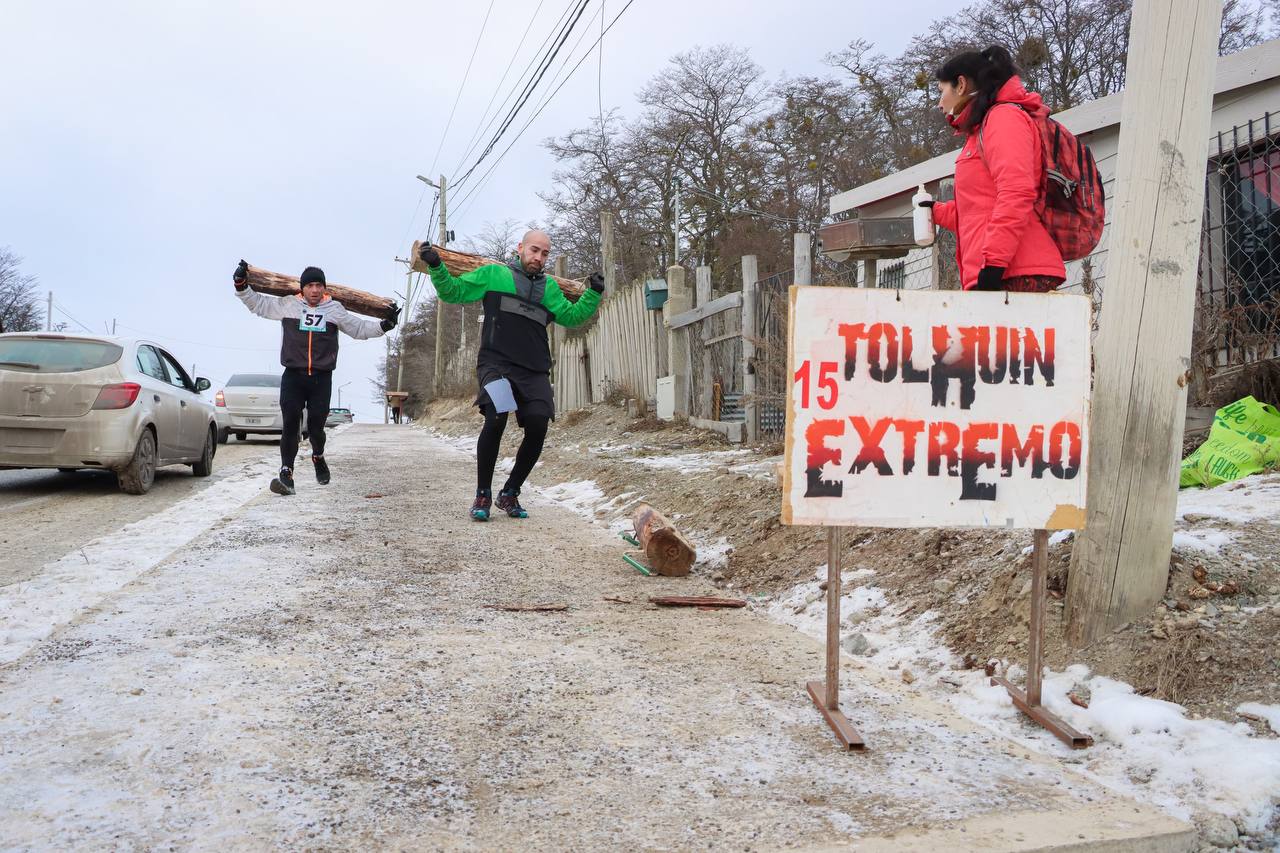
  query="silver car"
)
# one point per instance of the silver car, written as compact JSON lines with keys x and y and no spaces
{"x":249,"y":405}
{"x":116,"y":404}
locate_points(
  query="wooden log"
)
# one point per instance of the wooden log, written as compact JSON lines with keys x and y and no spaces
{"x":357,"y":301}
{"x":458,"y":263}
{"x":668,"y":552}
{"x":696,"y":601}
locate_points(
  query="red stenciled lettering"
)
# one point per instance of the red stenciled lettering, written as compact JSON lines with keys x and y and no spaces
{"x":820,"y":455}
{"x":1032,"y":448}
{"x":889,"y":371}
{"x":944,"y":439}
{"x":852,"y":333}
{"x":871,"y":453}
{"x":1071,"y":432}
{"x":973,"y":458}
{"x":910,"y":431}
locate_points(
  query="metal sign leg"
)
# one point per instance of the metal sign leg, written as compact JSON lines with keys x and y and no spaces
{"x":1029,"y":702}
{"x":826,"y":694}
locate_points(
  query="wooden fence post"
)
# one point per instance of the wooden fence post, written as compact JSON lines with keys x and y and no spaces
{"x":703,"y":285}
{"x":750,"y":278}
{"x":945,"y":273}
{"x":1120,"y":563}
{"x":678,"y":301}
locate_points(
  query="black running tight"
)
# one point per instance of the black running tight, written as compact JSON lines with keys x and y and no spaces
{"x":535,"y":434}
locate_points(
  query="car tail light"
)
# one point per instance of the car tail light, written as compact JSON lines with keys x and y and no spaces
{"x":119,"y":396}
{"x":220,"y":400}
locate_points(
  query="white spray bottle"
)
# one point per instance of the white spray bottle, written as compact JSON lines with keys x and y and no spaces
{"x":922,"y":217}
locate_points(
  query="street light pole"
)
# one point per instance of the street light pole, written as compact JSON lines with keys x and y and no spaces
{"x":340,"y":387}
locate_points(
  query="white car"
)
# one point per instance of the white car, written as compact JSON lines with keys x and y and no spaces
{"x":249,"y":405}
{"x":88,"y":401}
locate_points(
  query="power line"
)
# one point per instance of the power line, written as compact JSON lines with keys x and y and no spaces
{"x":481,"y":126}
{"x":494,"y":165}
{"x":529,"y":89}
{"x":458,"y":97}
{"x":192,"y":343}
{"x":67,"y":313}
{"x":542,"y":104}
{"x":730,"y":205}
{"x":409,"y":228}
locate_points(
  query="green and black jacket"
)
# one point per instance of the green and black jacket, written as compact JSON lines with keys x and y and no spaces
{"x":518,"y":308}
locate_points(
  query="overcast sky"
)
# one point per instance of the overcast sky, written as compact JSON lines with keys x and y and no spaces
{"x":148,"y":146}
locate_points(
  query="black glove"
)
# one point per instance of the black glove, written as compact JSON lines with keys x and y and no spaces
{"x":429,"y":255}
{"x":389,"y":323}
{"x":926,"y":203}
{"x":596,"y":282}
{"x":990,"y":278}
{"x":241,"y":275}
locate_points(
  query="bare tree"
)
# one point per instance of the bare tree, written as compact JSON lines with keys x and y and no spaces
{"x":496,"y":240}
{"x":19,"y":305}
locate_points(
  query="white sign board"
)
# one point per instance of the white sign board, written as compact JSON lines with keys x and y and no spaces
{"x":937,"y":409}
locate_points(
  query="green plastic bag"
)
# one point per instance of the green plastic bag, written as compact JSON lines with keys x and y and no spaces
{"x":1244,"y":440}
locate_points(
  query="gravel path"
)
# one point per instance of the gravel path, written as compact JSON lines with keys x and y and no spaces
{"x":324,"y":671}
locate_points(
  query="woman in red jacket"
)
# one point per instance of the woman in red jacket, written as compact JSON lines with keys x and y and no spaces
{"x":1001,"y":243}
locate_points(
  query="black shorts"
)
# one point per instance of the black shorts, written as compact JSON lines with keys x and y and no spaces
{"x":531,"y":389}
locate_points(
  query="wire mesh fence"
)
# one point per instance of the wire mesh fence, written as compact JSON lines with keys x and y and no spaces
{"x":1238,"y":315}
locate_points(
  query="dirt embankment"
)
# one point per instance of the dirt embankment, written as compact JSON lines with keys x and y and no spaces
{"x":1209,"y":646}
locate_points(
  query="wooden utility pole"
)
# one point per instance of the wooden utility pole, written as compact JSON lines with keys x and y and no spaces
{"x":442,"y":239}
{"x":1120,"y":564}
{"x":678,"y":301}
{"x":608,"y":262}
{"x":750,"y":279}
{"x":802,"y":258}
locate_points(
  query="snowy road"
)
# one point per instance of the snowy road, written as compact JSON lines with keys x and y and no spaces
{"x":45,"y":514}
{"x":326,"y":671}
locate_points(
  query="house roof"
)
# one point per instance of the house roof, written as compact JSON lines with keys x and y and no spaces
{"x":1254,"y":65}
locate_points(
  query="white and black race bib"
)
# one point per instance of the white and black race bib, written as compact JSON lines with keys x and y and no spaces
{"x":311,"y":321}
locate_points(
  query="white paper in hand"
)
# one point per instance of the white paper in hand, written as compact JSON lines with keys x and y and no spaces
{"x":499,"y":391}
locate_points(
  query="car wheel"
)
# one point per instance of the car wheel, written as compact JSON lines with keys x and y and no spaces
{"x":136,"y":477}
{"x":240,"y":436}
{"x":204,"y":467}
{"x":223,"y":435}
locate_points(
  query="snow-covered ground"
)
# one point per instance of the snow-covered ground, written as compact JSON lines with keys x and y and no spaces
{"x":1147,"y":748}
{"x":33,"y":609}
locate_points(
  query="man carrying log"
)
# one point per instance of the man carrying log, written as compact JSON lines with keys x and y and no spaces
{"x":309,"y":353}
{"x":514,"y":365}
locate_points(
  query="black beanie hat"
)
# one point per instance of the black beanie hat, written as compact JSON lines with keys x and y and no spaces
{"x":311,"y":274}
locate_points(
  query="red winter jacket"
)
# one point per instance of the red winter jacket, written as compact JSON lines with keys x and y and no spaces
{"x":994,"y":213}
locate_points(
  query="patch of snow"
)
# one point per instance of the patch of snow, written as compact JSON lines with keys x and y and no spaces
{"x":1270,"y":713}
{"x":32,"y":610}
{"x":691,"y":463}
{"x":581,"y":496}
{"x":461,"y":443}
{"x":1144,"y":747}
{"x":713,"y":555}
{"x":1209,"y":541}
{"x":1254,"y":498}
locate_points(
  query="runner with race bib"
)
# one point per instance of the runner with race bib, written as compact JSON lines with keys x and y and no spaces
{"x":513,"y":369}
{"x":311,"y":321}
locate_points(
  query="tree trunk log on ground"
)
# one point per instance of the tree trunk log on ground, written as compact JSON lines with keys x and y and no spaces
{"x":356,"y":301}
{"x":668,"y":552}
{"x":458,"y":263}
